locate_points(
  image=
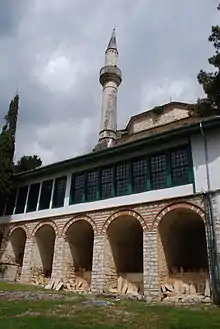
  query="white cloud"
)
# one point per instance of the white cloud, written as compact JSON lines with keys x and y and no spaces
{"x":52,"y":52}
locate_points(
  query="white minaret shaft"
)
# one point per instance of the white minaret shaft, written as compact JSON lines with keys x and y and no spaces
{"x":110,"y":79}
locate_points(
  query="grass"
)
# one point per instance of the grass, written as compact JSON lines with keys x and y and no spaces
{"x":79,"y":313}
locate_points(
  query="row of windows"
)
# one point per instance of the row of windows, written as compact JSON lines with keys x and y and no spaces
{"x":171,"y":168}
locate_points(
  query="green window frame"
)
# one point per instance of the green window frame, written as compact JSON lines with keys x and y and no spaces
{"x":140,"y":175}
{"x":59,"y":192}
{"x":107,"y":182}
{"x":159,"y":171}
{"x":45,"y":194}
{"x":180,"y":166}
{"x":92,"y":185}
{"x":10,"y":204}
{"x":21,"y":199}
{"x":33,"y":197}
{"x":77,"y":190}
{"x":122,"y":178}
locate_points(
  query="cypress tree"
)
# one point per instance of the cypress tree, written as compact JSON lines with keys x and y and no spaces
{"x":7,"y":148}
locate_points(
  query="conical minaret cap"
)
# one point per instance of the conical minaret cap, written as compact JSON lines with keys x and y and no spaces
{"x":112,"y":42}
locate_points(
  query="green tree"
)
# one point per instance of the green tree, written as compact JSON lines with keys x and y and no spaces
{"x":210,"y":81}
{"x":7,"y":148}
{"x":27,"y":162}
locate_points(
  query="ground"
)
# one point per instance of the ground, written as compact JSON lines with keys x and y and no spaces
{"x":31,"y":307}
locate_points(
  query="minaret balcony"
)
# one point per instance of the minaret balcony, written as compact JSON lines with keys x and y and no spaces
{"x":110,"y":73}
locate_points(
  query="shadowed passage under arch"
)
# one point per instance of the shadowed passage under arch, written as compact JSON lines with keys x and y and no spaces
{"x":124,"y":254}
{"x":80,"y":237}
{"x":44,"y":250}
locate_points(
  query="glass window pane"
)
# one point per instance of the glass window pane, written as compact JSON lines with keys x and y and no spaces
{"x":180,"y":166}
{"x":77,"y":191}
{"x":45,"y":195}
{"x":92,"y":185}
{"x":122,"y":178}
{"x":21,"y":199}
{"x":107,"y":183}
{"x":10,"y":204}
{"x":158,"y":166}
{"x":59,"y":192}
{"x":139,"y":175}
{"x":33,"y":197}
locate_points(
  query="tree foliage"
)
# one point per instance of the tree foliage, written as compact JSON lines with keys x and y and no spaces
{"x":210,"y":81}
{"x":7,"y":148}
{"x":27,"y":162}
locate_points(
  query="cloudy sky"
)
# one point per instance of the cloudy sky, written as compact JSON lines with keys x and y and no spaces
{"x":52,"y":51}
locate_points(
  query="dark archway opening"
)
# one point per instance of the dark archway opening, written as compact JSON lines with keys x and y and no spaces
{"x":45,"y":238}
{"x":80,"y":237}
{"x":18,"y":241}
{"x":124,"y":255}
{"x":183,"y":238}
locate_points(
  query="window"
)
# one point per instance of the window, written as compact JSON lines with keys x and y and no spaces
{"x":33,"y":197}
{"x":21,"y":199}
{"x":179,"y":166}
{"x":59,"y":192}
{"x":92,"y":185}
{"x":122,"y":178}
{"x":10,"y":204}
{"x":45,"y":195}
{"x":158,"y":168}
{"x":77,"y":192}
{"x":139,"y":174}
{"x":107,"y":183}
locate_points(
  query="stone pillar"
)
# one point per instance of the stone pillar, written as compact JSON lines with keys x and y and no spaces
{"x":98,"y":271}
{"x":150,"y":260}
{"x":27,"y":260}
{"x":59,"y":259}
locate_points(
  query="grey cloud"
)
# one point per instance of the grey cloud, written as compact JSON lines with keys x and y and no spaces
{"x":54,"y":50}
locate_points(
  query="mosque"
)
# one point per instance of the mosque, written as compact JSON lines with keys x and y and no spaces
{"x":138,"y":215}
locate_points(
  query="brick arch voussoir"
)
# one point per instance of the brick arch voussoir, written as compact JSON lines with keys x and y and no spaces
{"x":23,"y":227}
{"x":130,"y":213}
{"x":179,"y":205}
{"x":50,"y":223}
{"x":76,"y":219}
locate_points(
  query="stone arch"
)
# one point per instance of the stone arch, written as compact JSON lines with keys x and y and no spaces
{"x":39,"y":225}
{"x":17,"y":242}
{"x":79,"y":239}
{"x":78,"y":218}
{"x":182,"y":247}
{"x":123,"y":250}
{"x":175,"y":206}
{"x":44,"y":235}
{"x":123,"y":213}
{"x":23,"y":227}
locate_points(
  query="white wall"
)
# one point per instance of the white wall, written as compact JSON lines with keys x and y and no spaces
{"x":198,"y":154}
{"x":179,"y":191}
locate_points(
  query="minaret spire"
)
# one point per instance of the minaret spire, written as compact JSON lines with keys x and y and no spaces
{"x":110,"y":78}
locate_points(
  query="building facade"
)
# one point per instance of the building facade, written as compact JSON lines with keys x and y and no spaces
{"x":143,"y":208}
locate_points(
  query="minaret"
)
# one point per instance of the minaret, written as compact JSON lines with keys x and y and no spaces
{"x":110,"y":79}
